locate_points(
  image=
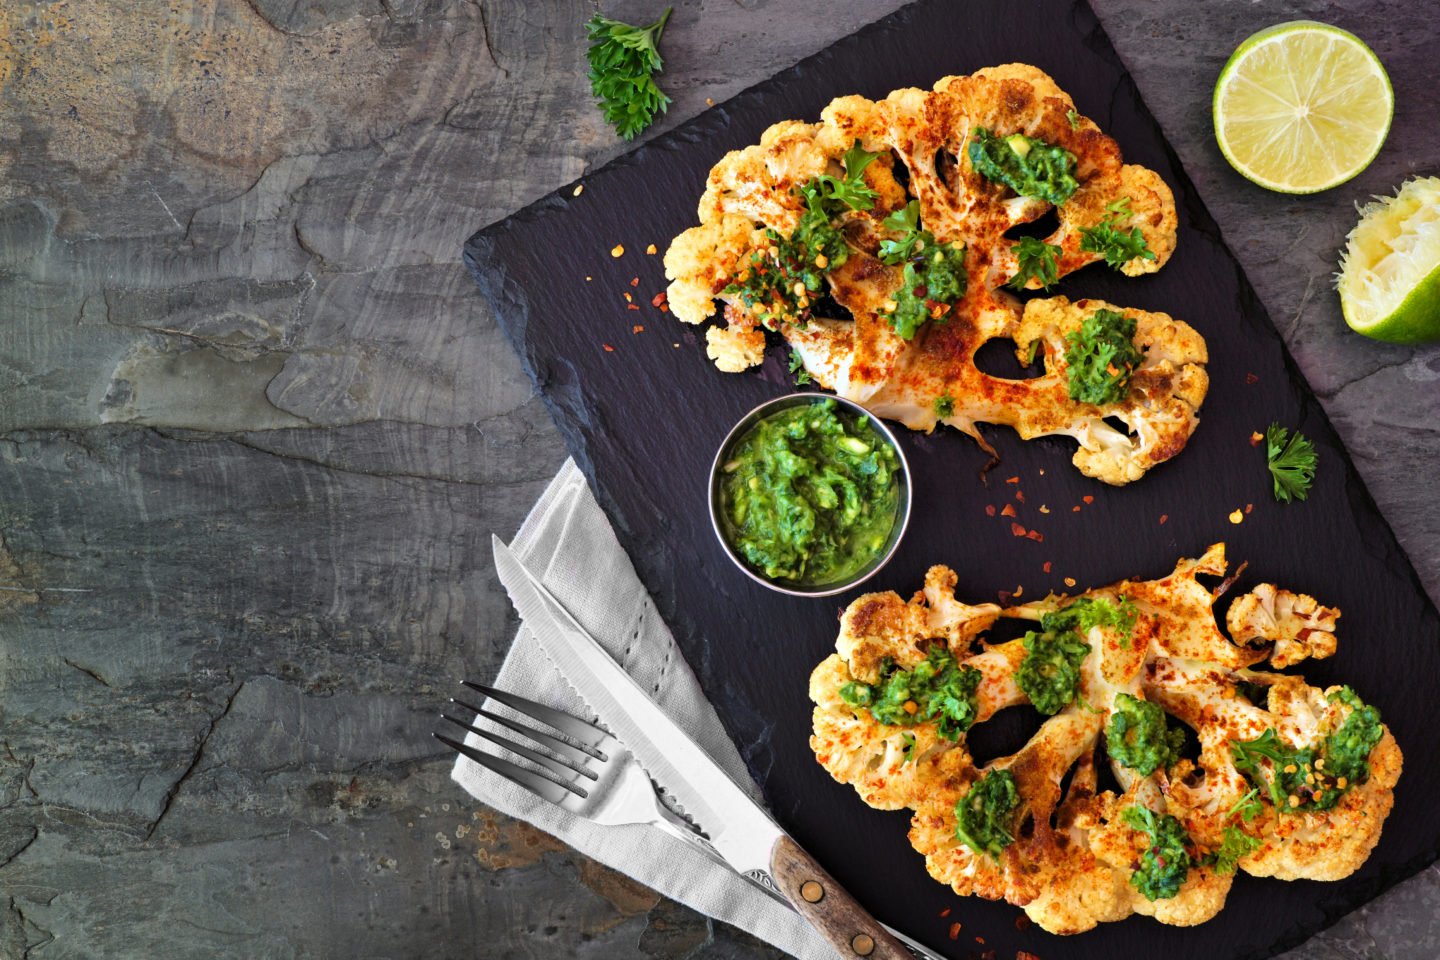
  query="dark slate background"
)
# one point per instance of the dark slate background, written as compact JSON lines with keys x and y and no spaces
{"x":257,"y":425}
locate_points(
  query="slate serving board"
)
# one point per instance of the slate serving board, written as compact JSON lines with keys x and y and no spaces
{"x":643,"y":419}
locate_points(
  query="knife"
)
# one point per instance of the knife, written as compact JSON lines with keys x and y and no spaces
{"x":739,"y":830}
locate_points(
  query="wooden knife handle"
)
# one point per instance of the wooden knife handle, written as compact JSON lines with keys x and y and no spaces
{"x":832,"y":911}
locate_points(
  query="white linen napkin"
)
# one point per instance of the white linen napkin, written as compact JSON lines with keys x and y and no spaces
{"x":568,"y":543}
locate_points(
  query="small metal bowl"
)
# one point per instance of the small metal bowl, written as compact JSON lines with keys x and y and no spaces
{"x":902,"y":507}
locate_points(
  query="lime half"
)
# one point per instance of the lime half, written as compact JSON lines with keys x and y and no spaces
{"x":1389,"y":277}
{"x":1302,"y":106}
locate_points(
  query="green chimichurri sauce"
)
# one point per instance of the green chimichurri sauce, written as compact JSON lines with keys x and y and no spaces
{"x":809,"y":494}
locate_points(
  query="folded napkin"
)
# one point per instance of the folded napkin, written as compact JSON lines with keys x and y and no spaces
{"x":568,"y":543}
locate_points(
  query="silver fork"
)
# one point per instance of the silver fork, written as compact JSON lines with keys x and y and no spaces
{"x":595,"y":776}
{"x":598,"y":778}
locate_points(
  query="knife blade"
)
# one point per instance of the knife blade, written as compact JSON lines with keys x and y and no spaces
{"x":737,"y":827}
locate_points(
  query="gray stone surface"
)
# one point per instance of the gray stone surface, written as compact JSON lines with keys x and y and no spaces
{"x":257,"y":426}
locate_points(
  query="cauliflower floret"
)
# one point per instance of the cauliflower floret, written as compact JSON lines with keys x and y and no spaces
{"x":702,"y":260}
{"x":735,"y":348}
{"x":1297,"y":625}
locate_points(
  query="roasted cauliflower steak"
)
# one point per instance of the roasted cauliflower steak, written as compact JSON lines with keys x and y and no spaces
{"x":779,"y":251}
{"x":1290,"y":781}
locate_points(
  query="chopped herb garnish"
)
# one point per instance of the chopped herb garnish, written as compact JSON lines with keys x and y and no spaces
{"x":982,"y":816}
{"x":1138,"y":737}
{"x":1030,"y":167}
{"x":1297,"y":779}
{"x":623,"y":61}
{"x":1292,"y":463}
{"x":1037,"y":260}
{"x":1249,"y":806}
{"x":909,"y":751}
{"x":1100,"y":357}
{"x":944,"y":406}
{"x":1166,"y":862}
{"x":1235,"y":845}
{"x":1088,"y":612}
{"x":1050,"y":673}
{"x":934,"y":276}
{"x":1116,"y":245}
{"x":797,"y":367}
{"x":1074,"y":119}
{"x":938,"y":688}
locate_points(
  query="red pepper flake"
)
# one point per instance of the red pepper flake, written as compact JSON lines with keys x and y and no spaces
{"x":629,"y":299}
{"x":1016,"y":530}
{"x":634,"y":281}
{"x":1012,"y":479}
{"x":988,"y":955}
{"x":980,"y":940}
{"x":1022,"y":923}
{"x":1008,"y":511}
{"x":1088,"y":499}
{"x":1251,"y":378}
{"x":1047,"y":566}
{"x":1020,"y":495}
{"x":954,"y":930}
{"x":1249,"y":507}
{"x":632,"y":306}
{"x":664,"y":308}
{"x":1164,"y":517}
{"x":946,"y":913}
{"x":637,"y":329}
{"x":1075,"y":509}
{"x":1025,"y":955}
{"x":1255,"y":439}
{"x":658,"y":300}
{"x":989,"y":509}
{"x":608,"y":348}
{"x":1035,"y":535}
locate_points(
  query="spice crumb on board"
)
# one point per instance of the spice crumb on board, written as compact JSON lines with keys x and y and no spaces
{"x":579,"y":189}
{"x":709,"y":102}
{"x":608,"y":348}
{"x":618,"y":250}
{"x":1069,"y":581}
{"x":1164,"y":517}
{"x":588,"y":279}
{"x":1249,"y":507}
{"x":1047,"y":566}
{"x":628,"y":298}
{"x":632,"y":306}
{"x":1251,"y":378}
{"x":1012,"y":479}
{"x":1237,"y":516}
{"x":1016,"y":530}
{"x":1025,"y":955}
{"x":637,"y":329}
{"x":1022,"y":923}
{"x":1020,"y":495}
{"x":1019,"y":590}
{"x":634,"y":281}
{"x":651,"y":250}
{"x":1044,"y":509}
{"x":1008,"y":511}
{"x":1035,"y":535}
{"x":1075,"y":509}
{"x":989,"y":509}
{"x":955,"y":931}
{"x":945,"y":912}
{"x":1255,"y":438}
{"x":1088,"y":499}
{"x":658,"y":300}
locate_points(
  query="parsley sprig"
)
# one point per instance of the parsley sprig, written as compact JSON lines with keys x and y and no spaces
{"x":1037,"y":259}
{"x":934,"y":276}
{"x":1116,"y":245}
{"x":1100,"y":357}
{"x":623,"y":62}
{"x":797,"y":367}
{"x":1292,"y":463}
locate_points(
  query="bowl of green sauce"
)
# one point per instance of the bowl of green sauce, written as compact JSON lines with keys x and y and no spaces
{"x":810,"y":494}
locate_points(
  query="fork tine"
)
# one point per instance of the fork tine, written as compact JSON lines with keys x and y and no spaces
{"x":586,"y":733}
{"x":525,"y":779}
{"x":576,"y":756}
{"x":558,"y":767}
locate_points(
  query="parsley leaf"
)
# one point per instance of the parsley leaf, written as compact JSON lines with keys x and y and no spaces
{"x":1114,"y":244}
{"x":623,"y":60}
{"x":1037,"y":259}
{"x":1292,"y":463}
{"x":944,"y":406}
{"x":934,"y":276}
{"x":1074,"y":119}
{"x":852,"y":191}
{"x":909,"y":752}
{"x":1248,"y":806}
{"x":1235,"y":845}
{"x":1100,"y":357}
{"x":797,"y":367}
{"x":906,"y":222}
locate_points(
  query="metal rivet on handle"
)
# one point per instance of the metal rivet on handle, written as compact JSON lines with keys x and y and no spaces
{"x":812,"y":891}
{"x":863,"y":945}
